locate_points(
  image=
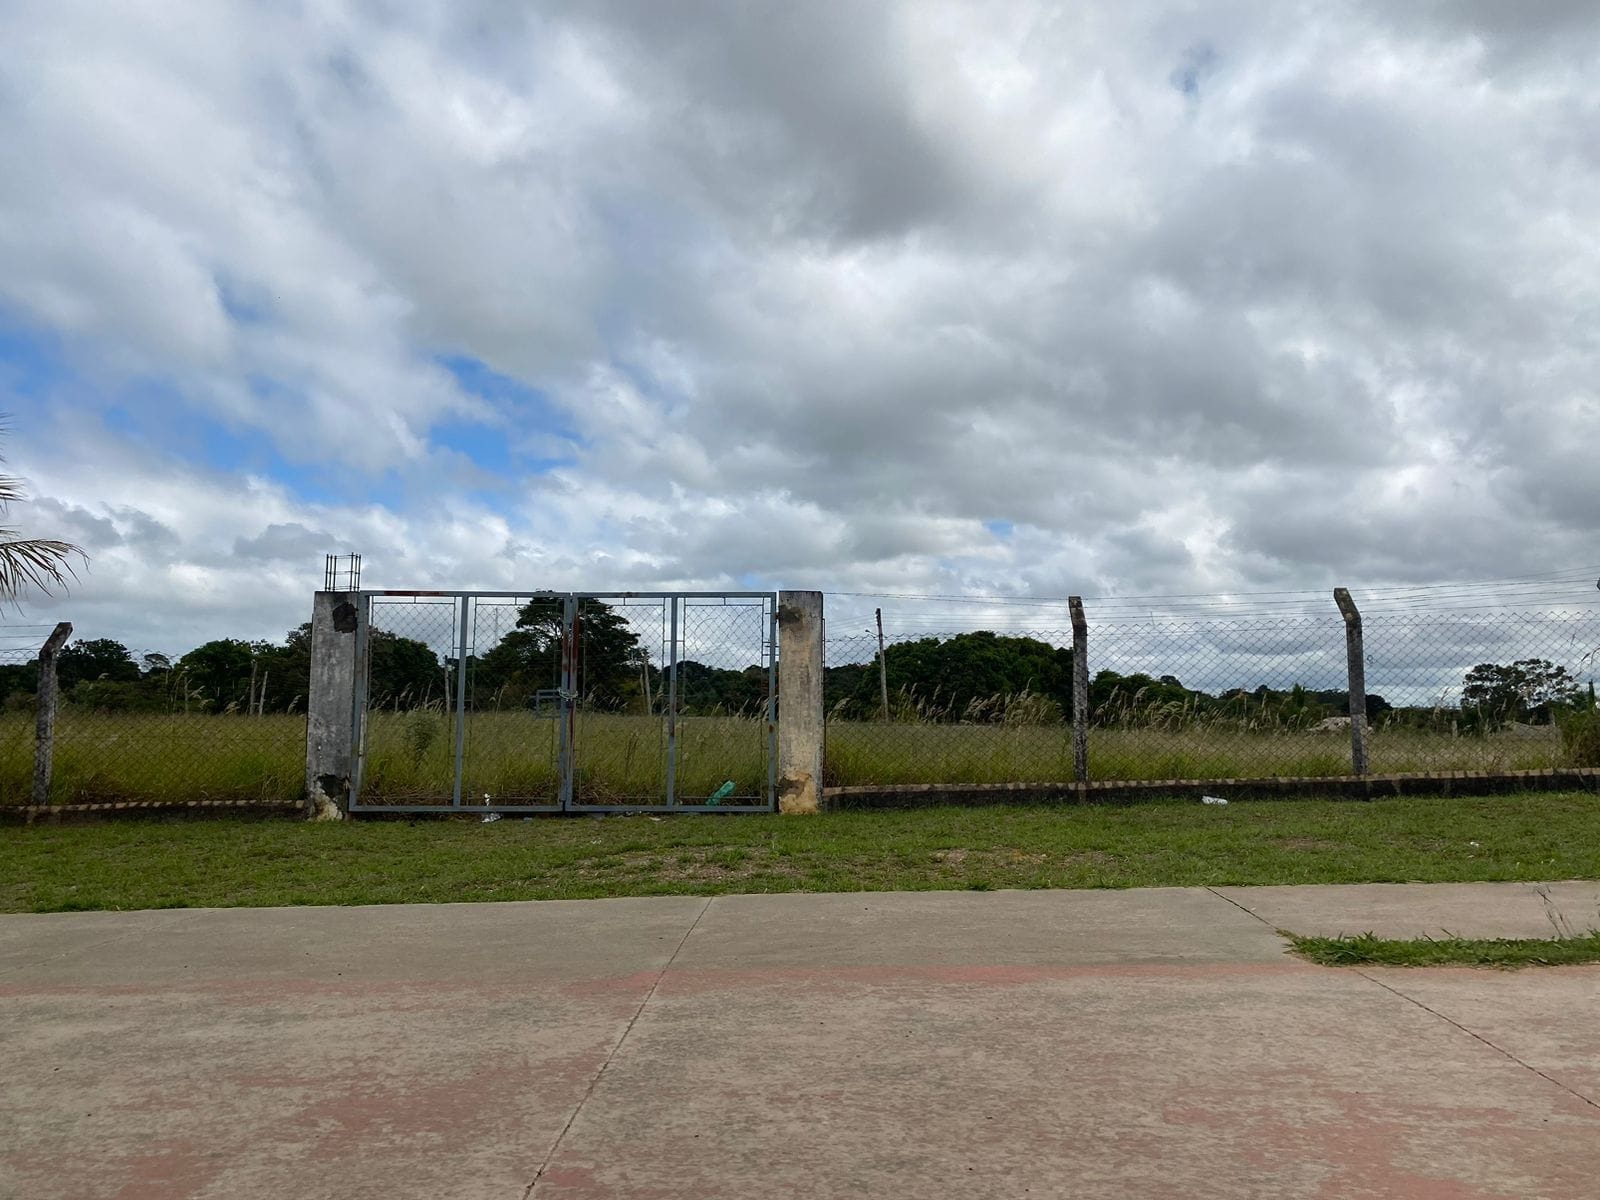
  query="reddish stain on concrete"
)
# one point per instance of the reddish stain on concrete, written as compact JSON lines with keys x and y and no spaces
{"x":634,"y":985}
{"x":379,"y":1108}
{"x":577,"y":1182}
{"x":170,"y":1171}
{"x":1358,"y":1143}
{"x":254,"y":991}
{"x":690,"y":981}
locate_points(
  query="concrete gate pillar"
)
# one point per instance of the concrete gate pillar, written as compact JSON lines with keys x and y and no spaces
{"x":800,"y":713}
{"x":331,"y":705}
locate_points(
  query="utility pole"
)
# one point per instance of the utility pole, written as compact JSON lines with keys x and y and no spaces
{"x":883,"y":668}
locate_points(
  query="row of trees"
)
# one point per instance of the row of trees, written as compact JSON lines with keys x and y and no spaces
{"x":977,"y":677}
{"x":993,"y":678}
{"x":226,"y":675}
{"x":523,"y":669}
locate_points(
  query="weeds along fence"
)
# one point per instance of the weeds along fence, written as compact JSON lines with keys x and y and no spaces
{"x":155,"y":734}
{"x":667,"y":702}
{"x":1208,"y":696}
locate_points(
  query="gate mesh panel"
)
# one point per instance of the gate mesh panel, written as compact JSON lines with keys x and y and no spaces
{"x":621,"y":725}
{"x":410,"y":729}
{"x":723,"y":735}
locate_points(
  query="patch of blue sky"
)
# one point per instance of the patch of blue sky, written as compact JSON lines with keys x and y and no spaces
{"x":1000,"y":528}
{"x":527,"y":434}
{"x":156,"y":416}
{"x":33,"y":372}
{"x":488,"y":447}
{"x":518,"y":405}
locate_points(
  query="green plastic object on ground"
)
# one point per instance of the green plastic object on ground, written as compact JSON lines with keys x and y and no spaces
{"x":721,"y":794}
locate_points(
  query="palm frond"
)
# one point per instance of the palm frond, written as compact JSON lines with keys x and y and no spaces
{"x":43,"y":563}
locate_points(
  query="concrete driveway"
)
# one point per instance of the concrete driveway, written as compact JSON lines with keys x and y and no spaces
{"x":1152,"y":1043}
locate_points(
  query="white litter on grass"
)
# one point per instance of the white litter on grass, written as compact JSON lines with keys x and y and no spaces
{"x":1212,"y":800}
{"x":487,"y":817}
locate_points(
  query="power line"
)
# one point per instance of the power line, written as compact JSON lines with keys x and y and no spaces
{"x":1380,"y":591}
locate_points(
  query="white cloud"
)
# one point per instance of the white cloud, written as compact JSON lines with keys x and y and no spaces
{"x":1206,"y":298}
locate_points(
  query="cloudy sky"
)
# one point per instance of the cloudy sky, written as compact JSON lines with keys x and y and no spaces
{"x":1021,"y":299}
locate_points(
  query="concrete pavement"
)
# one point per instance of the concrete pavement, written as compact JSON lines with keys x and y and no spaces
{"x":1141,"y":1043}
{"x":1433,"y":910}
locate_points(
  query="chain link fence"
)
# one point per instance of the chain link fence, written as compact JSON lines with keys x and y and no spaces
{"x":135,"y":727}
{"x":1191,"y":697}
{"x":726,"y":678}
{"x":1205,"y":699}
{"x":662,"y":700}
{"x":17,"y":721}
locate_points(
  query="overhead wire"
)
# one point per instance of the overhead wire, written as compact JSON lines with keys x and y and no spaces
{"x":1543,"y":576}
{"x":1561,"y":587}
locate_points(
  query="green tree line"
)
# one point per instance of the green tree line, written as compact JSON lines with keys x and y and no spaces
{"x":985,"y":677}
{"x":231,"y":675}
{"x":980,"y":677}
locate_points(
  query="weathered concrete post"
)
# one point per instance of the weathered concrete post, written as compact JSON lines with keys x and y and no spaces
{"x":1080,"y":690}
{"x":1356,"y":666}
{"x":44,"y":721}
{"x":800,"y":716}
{"x":331,"y":705}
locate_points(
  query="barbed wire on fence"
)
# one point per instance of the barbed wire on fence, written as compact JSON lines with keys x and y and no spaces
{"x":1218,"y":697}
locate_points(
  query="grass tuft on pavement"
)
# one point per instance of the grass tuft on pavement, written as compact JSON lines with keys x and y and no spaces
{"x":1367,"y":950}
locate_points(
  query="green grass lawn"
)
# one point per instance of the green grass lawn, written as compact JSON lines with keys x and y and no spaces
{"x":177,"y":863}
{"x":1367,"y":950}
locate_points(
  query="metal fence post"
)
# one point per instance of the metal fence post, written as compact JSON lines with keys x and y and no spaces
{"x":1080,"y":690}
{"x":1356,"y":665}
{"x":44,"y":741}
{"x":463,"y":636}
{"x":358,"y":698}
{"x":672,"y":702}
{"x":569,"y":701}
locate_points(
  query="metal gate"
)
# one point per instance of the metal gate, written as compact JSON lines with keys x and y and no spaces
{"x":533,"y":702}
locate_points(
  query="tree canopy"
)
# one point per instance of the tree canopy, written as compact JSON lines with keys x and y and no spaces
{"x":527,"y":661}
{"x":945,"y":679}
{"x":1526,"y":690}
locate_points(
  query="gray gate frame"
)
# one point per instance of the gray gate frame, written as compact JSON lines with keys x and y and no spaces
{"x":567,"y":719}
